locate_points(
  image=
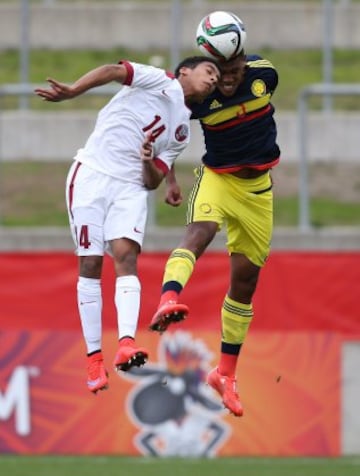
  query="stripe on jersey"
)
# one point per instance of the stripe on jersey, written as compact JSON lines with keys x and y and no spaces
{"x":260,"y":63}
{"x":237,"y":111}
{"x":236,"y":168}
{"x":193,"y":194}
{"x":71,"y":188}
{"x":161,"y":165}
{"x":130,"y":73}
{"x":239,"y":119}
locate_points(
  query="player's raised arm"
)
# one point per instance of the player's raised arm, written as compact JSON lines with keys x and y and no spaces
{"x":152,"y":174}
{"x":97,"y":77}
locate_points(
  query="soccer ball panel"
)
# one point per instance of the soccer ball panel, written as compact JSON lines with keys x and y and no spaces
{"x":221,"y":35}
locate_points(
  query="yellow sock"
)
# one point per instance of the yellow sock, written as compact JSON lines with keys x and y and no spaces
{"x":179,"y":266}
{"x":235,"y":318}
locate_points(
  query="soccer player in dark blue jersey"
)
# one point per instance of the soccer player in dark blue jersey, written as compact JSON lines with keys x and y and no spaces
{"x":233,"y":188}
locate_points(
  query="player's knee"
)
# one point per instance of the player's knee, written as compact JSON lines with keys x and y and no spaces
{"x":198,"y":236}
{"x":243,"y":290}
{"x":90,"y":266}
{"x":125,"y":263}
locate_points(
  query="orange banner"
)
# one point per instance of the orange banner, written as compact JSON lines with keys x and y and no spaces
{"x":289,"y":385}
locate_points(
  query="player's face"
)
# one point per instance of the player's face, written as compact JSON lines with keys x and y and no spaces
{"x":232,"y":75}
{"x":205,"y":77}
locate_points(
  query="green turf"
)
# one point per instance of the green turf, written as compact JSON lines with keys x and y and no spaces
{"x":323,"y":212}
{"x":297,"y":68}
{"x":32,"y":194}
{"x":121,"y":466}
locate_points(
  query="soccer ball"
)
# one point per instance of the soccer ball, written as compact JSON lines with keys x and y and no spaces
{"x":221,"y":35}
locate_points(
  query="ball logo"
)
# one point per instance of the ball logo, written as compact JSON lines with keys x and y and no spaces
{"x":258,"y":88}
{"x":182,"y":133}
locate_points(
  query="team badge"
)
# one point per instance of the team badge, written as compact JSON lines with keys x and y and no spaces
{"x":182,"y":133}
{"x":258,"y":88}
{"x":205,"y":208}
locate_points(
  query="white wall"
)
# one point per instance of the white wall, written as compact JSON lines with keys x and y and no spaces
{"x":57,"y":135}
{"x":147,"y":26}
{"x":350,"y":420}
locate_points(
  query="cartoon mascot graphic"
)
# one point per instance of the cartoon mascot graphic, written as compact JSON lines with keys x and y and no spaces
{"x":175,"y":411}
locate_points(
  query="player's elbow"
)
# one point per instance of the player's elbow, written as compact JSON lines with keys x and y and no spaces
{"x":152,"y":176}
{"x":149,"y":185}
{"x":152,"y":183}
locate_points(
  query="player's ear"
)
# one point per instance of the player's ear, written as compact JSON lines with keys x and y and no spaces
{"x":184,"y":70}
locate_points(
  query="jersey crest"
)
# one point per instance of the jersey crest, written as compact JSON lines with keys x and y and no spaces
{"x":258,"y":88}
{"x":182,"y":133}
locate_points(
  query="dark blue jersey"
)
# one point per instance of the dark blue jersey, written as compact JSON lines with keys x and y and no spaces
{"x":240,"y":131}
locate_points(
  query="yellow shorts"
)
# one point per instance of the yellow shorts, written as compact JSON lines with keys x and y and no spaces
{"x":245,"y":206}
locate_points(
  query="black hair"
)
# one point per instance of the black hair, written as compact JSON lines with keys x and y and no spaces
{"x":241,"y":54}
{"x":192,"y":61}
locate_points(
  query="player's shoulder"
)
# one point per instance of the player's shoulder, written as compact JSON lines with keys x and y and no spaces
{"x":257,"y":62}
{"x":149,"y":77}
{"x":147,"y":69}
{"x":259,"y":68}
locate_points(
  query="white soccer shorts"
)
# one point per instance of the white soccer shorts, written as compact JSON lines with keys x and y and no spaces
{"x":103,"y":208}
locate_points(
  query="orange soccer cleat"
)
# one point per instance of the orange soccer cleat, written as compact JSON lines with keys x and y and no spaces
{"x":226,"y":388}
{"x":97,"y":375}
{"x":167,"y":313}
{"x":128,"y":355}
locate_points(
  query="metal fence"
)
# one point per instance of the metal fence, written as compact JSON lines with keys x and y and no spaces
{"x":23,"y":91}
{"x":323,"y":90}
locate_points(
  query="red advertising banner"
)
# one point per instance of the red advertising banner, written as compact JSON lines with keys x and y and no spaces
{"x":296,"y":292}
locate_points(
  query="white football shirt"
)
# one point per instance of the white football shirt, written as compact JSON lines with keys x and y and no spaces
{"x":151,"y":101}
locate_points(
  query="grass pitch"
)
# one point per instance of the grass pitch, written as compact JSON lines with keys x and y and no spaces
{"x":296,"y":68}
{"x":33,"y":194}
{"x":140,"y":466}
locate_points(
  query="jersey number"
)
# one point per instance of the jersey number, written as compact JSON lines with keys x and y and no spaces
{"x":155,"y":132}
{"x":84,"y":237}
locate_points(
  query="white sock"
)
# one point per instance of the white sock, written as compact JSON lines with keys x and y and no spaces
{"x":127,"y":302}
{"x":90,"y":309}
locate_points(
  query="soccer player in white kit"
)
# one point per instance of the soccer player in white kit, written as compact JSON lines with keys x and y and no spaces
{"x":137,"y":137}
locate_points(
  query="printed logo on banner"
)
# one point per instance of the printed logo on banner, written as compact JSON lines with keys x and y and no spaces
{"x":176,"y":412}
{"x":15,"y":399}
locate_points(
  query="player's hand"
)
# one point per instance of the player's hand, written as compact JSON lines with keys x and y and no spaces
{"x":173,"y":195}
{"x":146,"y":151}
{"x":56,"y":92}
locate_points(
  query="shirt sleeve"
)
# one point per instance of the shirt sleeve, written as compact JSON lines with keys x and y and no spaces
{"x":130,"y":72}
{"x":266,"y":71}
{"x":168,"y":156}
{"x":146,"y":76}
